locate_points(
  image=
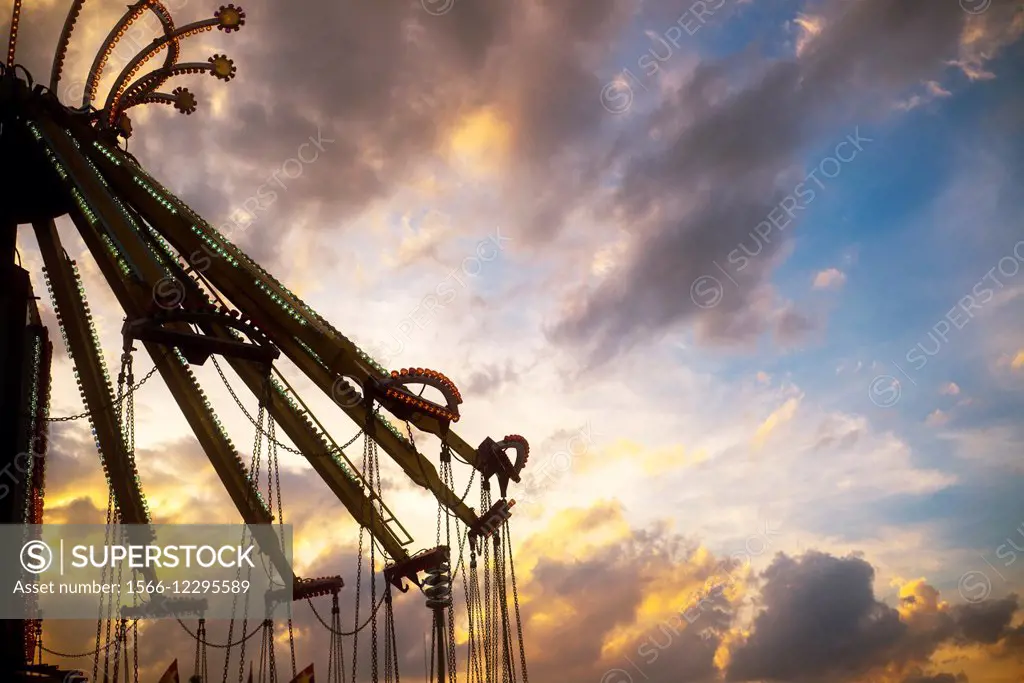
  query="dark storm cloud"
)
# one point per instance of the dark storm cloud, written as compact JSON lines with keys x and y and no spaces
{"x":385,"y":82}
{"x":820,"y":617}
{"x":723,"y":168}
{"x":821,"y":620}
{"x":984,"y":622}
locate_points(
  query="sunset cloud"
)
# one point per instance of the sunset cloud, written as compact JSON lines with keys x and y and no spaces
{"x":753,"y":486}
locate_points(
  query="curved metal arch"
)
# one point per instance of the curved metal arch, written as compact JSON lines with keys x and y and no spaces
{"x":227,"y":18}
{"x":520,"y":445}
{"x":174,"y":47}
{"x":118,"y":30}
{"x":218,"y":66}
{"x":132,"y":67}
{"x":395,"y":388}
{"x":181,"y":99}
{"x":62,"y":43}
{"x":154,"y":98}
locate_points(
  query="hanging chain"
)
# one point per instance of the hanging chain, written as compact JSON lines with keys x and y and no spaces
{"x":336,"y":653}
{"x":515,"y":600}
{"x":359,"y":578}
{"x":268,"y":629}
{"x":275,"y":464}
{"x":339,"y":632}
{"x":394,"y":636}
{"x":375,"y":487}
{"x":254,"y":478}
{"x":109,"y":612}
{"x":470,"y":639}
{"x":388,"y":669}
{"x":79,"y":655}
{"x":501,"y":599}
{"x":227,"y":645}
{"x":135,"y":651}
{"x":199,"y":664}
{"x":116,"y":608}
{"x":490,"y":622}
{"x":448,"y":479}
{"x":103,"y":578}
{"x":114,"y":404}
{"x":118,"y":637}
{"x":248,"y":415}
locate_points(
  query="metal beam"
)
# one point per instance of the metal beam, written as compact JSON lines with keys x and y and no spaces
{"x":108,"y":216}
{"x":361,"y":502}
{"x":234,"y":275}
{"x":94,"y":384}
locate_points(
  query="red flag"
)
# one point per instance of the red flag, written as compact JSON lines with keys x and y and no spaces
{"x":171,"y":675}
{"x":305,"y":676}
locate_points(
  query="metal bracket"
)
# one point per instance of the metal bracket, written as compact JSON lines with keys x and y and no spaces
{"x":409,"y":569}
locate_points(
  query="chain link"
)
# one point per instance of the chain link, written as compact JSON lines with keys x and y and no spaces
{"x":201,"y":637}
{"x":115,"y":403}
{"x":359,"y":580}
{"x":99,"y":618}
{"x":338,"y":632}
{"x":248,"y":415}
{"x":515,"y":600}
{"x":80,"y":655}
{"x":375,"y":487}
{"x":135,"y":650}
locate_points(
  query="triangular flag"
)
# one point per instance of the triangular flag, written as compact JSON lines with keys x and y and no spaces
{"x":171,"y":675}
{"x":250,"y":672}
{"x":305,"y":676}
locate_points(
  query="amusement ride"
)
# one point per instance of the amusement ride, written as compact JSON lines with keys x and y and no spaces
{"x":71,"y":159}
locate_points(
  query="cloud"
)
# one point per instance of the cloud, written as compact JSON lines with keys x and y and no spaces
{"x":779,"y":417}
{"x":950,"y":389}
{"x":810,"y":27}
{"x":995,"y":444}
{"x":831,"y":278}
{"x":820,"y":617}
{"x":413,"y":93}
{"x":739,"y":152}
{"x":433,"y":105}
{"x":820,"y":620}
{"x":985,"y":34}
{"x":563,"y":571}
{"x":932,"y":92}
{"x":491,"y":378}
{"x":937,"y":418}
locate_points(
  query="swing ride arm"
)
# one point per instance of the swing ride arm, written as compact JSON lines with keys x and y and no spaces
{"x":187,"y":394}
{"x":294,"y":330}
{"x":100,"y":218}
{"x":343,"y":480}
{"x":94,"y":384}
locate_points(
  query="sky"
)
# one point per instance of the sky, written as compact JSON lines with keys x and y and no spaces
{"x":746,"y":274}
